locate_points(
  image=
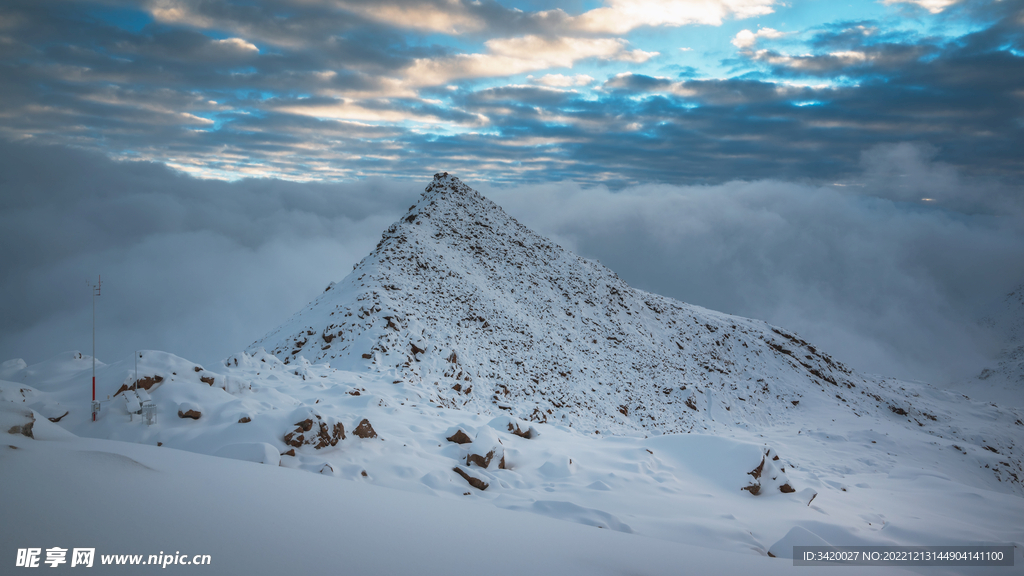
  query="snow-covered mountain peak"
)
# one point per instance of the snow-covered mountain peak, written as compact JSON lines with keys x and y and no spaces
{"x":446,"y":183}
{"x":475,"y":311}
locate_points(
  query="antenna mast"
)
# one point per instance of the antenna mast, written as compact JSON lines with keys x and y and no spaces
{"x":95,"y":293}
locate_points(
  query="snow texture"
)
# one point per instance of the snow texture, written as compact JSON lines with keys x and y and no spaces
{"x":501,"y":373}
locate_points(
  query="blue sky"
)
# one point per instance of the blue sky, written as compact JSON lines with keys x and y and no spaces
{"x":618,"y":92}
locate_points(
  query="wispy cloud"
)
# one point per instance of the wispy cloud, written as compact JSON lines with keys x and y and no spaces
{"x":933,"y":6}
{"x":510,"y":56}
{"x":622,"y":16}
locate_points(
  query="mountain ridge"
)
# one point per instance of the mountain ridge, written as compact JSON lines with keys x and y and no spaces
{"x":483,"y":314}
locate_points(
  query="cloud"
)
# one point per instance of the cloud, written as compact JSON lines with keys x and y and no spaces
{"x":622,"y":16}
{"x":202,"y":268}
{"x":238,"y":45}
{"x":444,"y":17}
{"x":380,"y":111}
{"x":509,"y":56}
{"x":746,"y":38}
{"x":886,"y":285}
{"x":194,"y":267}
{"x":933,"y":6}
{"x":333,"y":95}
{"x":563,"y":81}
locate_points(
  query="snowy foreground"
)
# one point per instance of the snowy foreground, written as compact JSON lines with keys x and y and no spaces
{"x":565,"y":501}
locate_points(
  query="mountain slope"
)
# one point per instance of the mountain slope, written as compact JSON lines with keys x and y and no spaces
{"x":482,"y":313}
{"x":1003,"y":380}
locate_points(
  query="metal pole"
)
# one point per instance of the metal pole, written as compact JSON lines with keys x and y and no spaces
{"x":95,"y":293}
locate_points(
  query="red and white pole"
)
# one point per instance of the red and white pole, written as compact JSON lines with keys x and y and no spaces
{"x":95,"y":293}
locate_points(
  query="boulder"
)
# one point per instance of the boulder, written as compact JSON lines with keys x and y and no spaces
{"x":365,"y":430}
{"x":485,"y":449}
{"x":315,"y":431}
{"x":189,"y":410}
{"x":146,"y":382}
{"x":460,"y":437}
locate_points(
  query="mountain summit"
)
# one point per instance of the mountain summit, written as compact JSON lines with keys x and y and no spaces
{"x":477,"y":311}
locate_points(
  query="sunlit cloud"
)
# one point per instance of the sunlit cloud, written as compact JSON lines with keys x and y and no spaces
{"x":563,"y":81}
{"x":746,"y":38}
{"x":354,"y":110}
{"x":933,"y":6}
{"x":622,"y":16}
{"x":451,"y":17}
{"x":509,"y":56}
{"x":237,"y":44}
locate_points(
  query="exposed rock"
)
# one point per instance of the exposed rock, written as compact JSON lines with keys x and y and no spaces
{"x":58,"y":418}
{"x":244,"y":420}
{"x":460,"y":437}
{"x":365,"y":430}
{"x":482,"y":461}
{"x":317,"y":433}
{"x":474,"y":482}
{"x":193,"y":414}
{"x":756,"y":472}
{"x":290,"y":452}
{"x":145,"y":383}
{"x":515,"y":429}
{"x":754,"y":489}
{"x":24,"y":429}
{"x":786,"y":488}
{"x":206,"y":380}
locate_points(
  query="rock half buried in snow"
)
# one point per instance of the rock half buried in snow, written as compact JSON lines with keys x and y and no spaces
{"x":316,"y":432}
{"x":24,"y":429}
{"x":365,"y":430}
{"x":146,"y":382}
{"x":486,"y":449}
{"x":460,"y":437}
{"x":768,"y":474}
{"x":189,"y":410}
{"x":473,"y":480}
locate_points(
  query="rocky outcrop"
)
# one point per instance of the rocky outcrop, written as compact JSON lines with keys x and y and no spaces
{"x":365,"y":430}
{"x":317,"y":432}
{"x":769,"y":475}
{"x":146,"y":382}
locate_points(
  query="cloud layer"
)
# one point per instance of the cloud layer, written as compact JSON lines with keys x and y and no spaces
{"x":339,"y":90}
{"x":203,"y":268}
